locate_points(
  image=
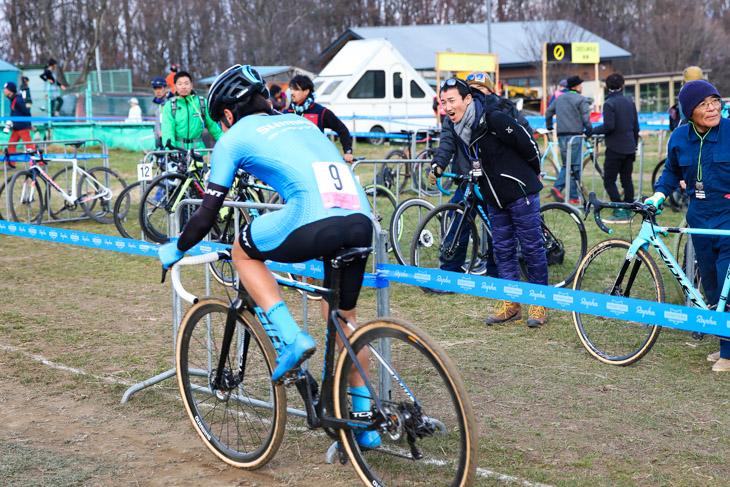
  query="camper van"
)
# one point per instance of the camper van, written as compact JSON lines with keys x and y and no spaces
{"x":372,"y":88}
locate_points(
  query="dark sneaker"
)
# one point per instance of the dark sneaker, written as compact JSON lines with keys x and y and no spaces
{"x":505,"y":311}
{"x":537,"y":317}
{"x":557,"y":194}
{"x":292,"y":355}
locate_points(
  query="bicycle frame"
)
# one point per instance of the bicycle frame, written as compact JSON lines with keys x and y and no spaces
{"x":317,"y":411}
{"x":71,"y":198}
{"x":648,"y":235}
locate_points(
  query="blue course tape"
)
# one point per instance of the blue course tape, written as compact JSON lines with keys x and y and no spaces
{"x":311,"y":268}
{"x":629,"y":309}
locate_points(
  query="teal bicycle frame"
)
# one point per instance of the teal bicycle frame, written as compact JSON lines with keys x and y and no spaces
{"x":650,"y":235}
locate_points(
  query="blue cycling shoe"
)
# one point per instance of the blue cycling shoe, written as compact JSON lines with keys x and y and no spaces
{"x":292,"y":356}
{"x":368,"y":439}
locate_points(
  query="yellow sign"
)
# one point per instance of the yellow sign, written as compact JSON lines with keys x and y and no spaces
{"x":559,"y":52}
{"x":585,"y":53}
{"x":454,"y":61}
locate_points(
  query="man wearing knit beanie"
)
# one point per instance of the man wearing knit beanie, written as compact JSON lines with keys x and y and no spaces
{"x":698,"y":154}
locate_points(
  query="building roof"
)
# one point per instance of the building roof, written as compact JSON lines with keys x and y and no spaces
{"x":4,"y":66}
{"x":516,"y":43}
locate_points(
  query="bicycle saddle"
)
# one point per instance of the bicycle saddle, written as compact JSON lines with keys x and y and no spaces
{"x":345,"y":256}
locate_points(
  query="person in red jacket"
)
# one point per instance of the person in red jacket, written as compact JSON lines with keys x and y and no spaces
{"x":20,"y":130}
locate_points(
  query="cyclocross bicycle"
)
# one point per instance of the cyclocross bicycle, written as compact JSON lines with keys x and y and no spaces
{"x":396,"y":178}
{"x":438,"y":235}
{"x":226,"y":353}
{"x":165,"y":192}
{"x":550,"y":162}
{"x":93,"y":190}
{"x":624,"y":268}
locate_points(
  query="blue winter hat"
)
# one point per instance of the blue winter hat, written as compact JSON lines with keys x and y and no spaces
{"x":11,"y":86}
{"x":159,"y":82}
{"x":693,"y":93}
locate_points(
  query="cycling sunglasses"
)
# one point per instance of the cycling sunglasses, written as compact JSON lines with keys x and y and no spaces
{"x":478,"y":77}
{"x":453,"y":82}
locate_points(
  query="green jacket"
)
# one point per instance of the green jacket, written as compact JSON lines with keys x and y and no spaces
{"x":186,"y":130}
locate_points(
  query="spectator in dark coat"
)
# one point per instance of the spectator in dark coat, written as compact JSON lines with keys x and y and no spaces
{"x":621,"y":128}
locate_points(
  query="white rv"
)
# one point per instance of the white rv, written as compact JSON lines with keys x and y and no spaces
{"x":372,"y":88}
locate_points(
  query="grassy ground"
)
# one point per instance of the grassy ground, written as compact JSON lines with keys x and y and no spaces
{"x":547,"y":412}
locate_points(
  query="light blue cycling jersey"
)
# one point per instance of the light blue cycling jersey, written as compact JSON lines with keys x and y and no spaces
{"x":291,"y":155}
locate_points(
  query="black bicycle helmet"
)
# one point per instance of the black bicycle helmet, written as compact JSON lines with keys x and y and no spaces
{"x":235,"y":85}
{"x":159,"y":82}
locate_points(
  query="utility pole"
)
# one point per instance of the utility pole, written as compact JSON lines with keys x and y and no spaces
{"x":489,"y":26}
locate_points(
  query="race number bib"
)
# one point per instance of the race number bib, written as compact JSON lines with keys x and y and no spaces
{"x":336,"y":186}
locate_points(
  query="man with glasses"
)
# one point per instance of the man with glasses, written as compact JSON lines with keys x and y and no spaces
{"x":507,"y":161}
{"x":699,"y":154}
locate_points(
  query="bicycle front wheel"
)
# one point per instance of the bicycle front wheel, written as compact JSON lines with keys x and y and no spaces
{"x":26,"y":198}
{"x":431,"y":437}
{"x":242,"y":423}
{"x":98,"y":191}
{"x":157,"y":203}
{"x":565,"y":240}
{"x":441,"y":240}
{"x":408,"y":214}
{"x":606,"y":270}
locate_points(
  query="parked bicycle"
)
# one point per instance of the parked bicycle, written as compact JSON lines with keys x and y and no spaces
{"x":397,"y":177}
{"x":618,"y":267}
{"x":93,"y":190}
{"x":550,"y":162}
{"x":438,"y":235}
{"x":164,"y":194}
{"x":225,"y":356}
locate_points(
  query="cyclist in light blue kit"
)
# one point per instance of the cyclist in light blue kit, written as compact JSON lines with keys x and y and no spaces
{"x":326,"y":210}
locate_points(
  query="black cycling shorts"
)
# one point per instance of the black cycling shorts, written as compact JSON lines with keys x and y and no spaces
{"x":322,"y":238}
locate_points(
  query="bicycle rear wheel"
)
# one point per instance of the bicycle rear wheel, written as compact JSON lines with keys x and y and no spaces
{"x":565,"y":240}
{"x":98,"y":191}
{"x":440,"y":237}
{"x":244,"y":423}
{"x":406,"y":217}
{"x":427,"y":402}
{"x":617,"y":341}
{"x":126,"y":211}
{"x":26,"y":198}
{"x":57,"y":206}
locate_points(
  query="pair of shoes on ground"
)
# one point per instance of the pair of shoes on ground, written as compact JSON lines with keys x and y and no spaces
{"x":721,"y":364}
{"x":558,"y":196}
{"x":293,"y":355}
{"x":620,"y":215}
{"x":507,"y":311}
